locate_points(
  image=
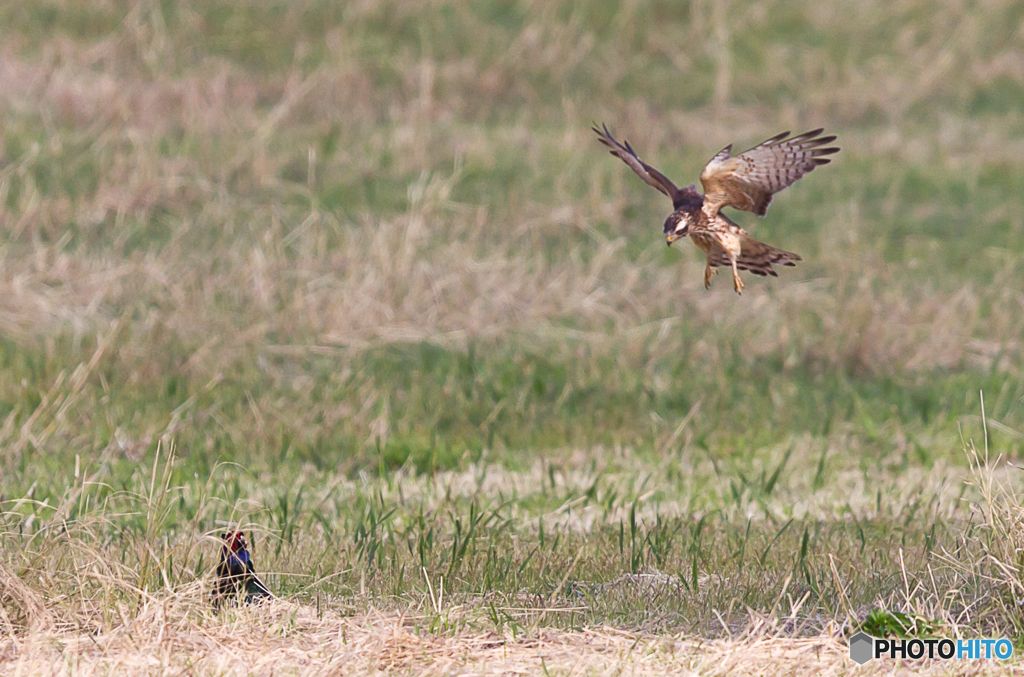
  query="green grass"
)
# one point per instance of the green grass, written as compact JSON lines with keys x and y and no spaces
{"x":367,"y":270}
{"x":720,"y":539}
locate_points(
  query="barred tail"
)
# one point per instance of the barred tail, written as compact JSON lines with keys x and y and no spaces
{"x":755,"y":256}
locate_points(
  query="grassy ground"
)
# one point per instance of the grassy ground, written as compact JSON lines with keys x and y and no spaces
{"x":358,"y":277}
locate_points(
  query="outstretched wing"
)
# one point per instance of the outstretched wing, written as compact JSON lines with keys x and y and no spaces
{"x":625,"y":152}
{"x":748,"y":181}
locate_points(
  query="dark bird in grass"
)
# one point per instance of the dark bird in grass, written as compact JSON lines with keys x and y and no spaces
{"x":747,"y":182}
{"x":236,"y":575}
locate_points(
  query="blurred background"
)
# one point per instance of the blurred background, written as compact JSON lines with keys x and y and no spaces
{"x":331,"y":240}
{"x":324,"y":224}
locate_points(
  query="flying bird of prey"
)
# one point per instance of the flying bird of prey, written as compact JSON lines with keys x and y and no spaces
{"x":748,"y":182}
{"x":236,"y":574}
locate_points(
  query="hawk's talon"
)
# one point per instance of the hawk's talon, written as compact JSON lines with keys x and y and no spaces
{"x":708,"y":272}
{"x":737,"y":283}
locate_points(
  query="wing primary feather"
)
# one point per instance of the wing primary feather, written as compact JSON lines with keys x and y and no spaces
{"x":774,"y":139}
{"x":807,"y":135}
{"x":749,"y":180}
{"x":651,"y":176}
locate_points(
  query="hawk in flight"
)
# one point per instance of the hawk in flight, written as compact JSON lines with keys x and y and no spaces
{"x":748,"y":182}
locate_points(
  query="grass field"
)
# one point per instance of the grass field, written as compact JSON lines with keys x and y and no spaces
{"x":358,"y":277}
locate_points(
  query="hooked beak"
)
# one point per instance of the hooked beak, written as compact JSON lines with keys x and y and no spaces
{"x":672,"y":237}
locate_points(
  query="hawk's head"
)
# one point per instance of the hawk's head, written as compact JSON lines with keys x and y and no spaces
{"x":676,"y":226}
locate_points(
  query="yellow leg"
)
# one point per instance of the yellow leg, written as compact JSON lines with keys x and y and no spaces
{"x":708,"y":272}
{"x":737,"y":283}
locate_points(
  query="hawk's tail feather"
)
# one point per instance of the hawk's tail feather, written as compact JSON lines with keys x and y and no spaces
{"x":755,"y":257}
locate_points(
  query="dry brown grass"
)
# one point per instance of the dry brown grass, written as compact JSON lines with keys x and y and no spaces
{"x":173,"y":636}
{"x":77,"y":609}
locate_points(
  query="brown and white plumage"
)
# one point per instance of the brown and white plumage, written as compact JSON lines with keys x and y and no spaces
{"x":755,"y":256}
{"x":747,"y":182}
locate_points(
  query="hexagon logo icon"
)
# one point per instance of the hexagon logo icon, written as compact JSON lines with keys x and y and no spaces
{"x":861,"y":646}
